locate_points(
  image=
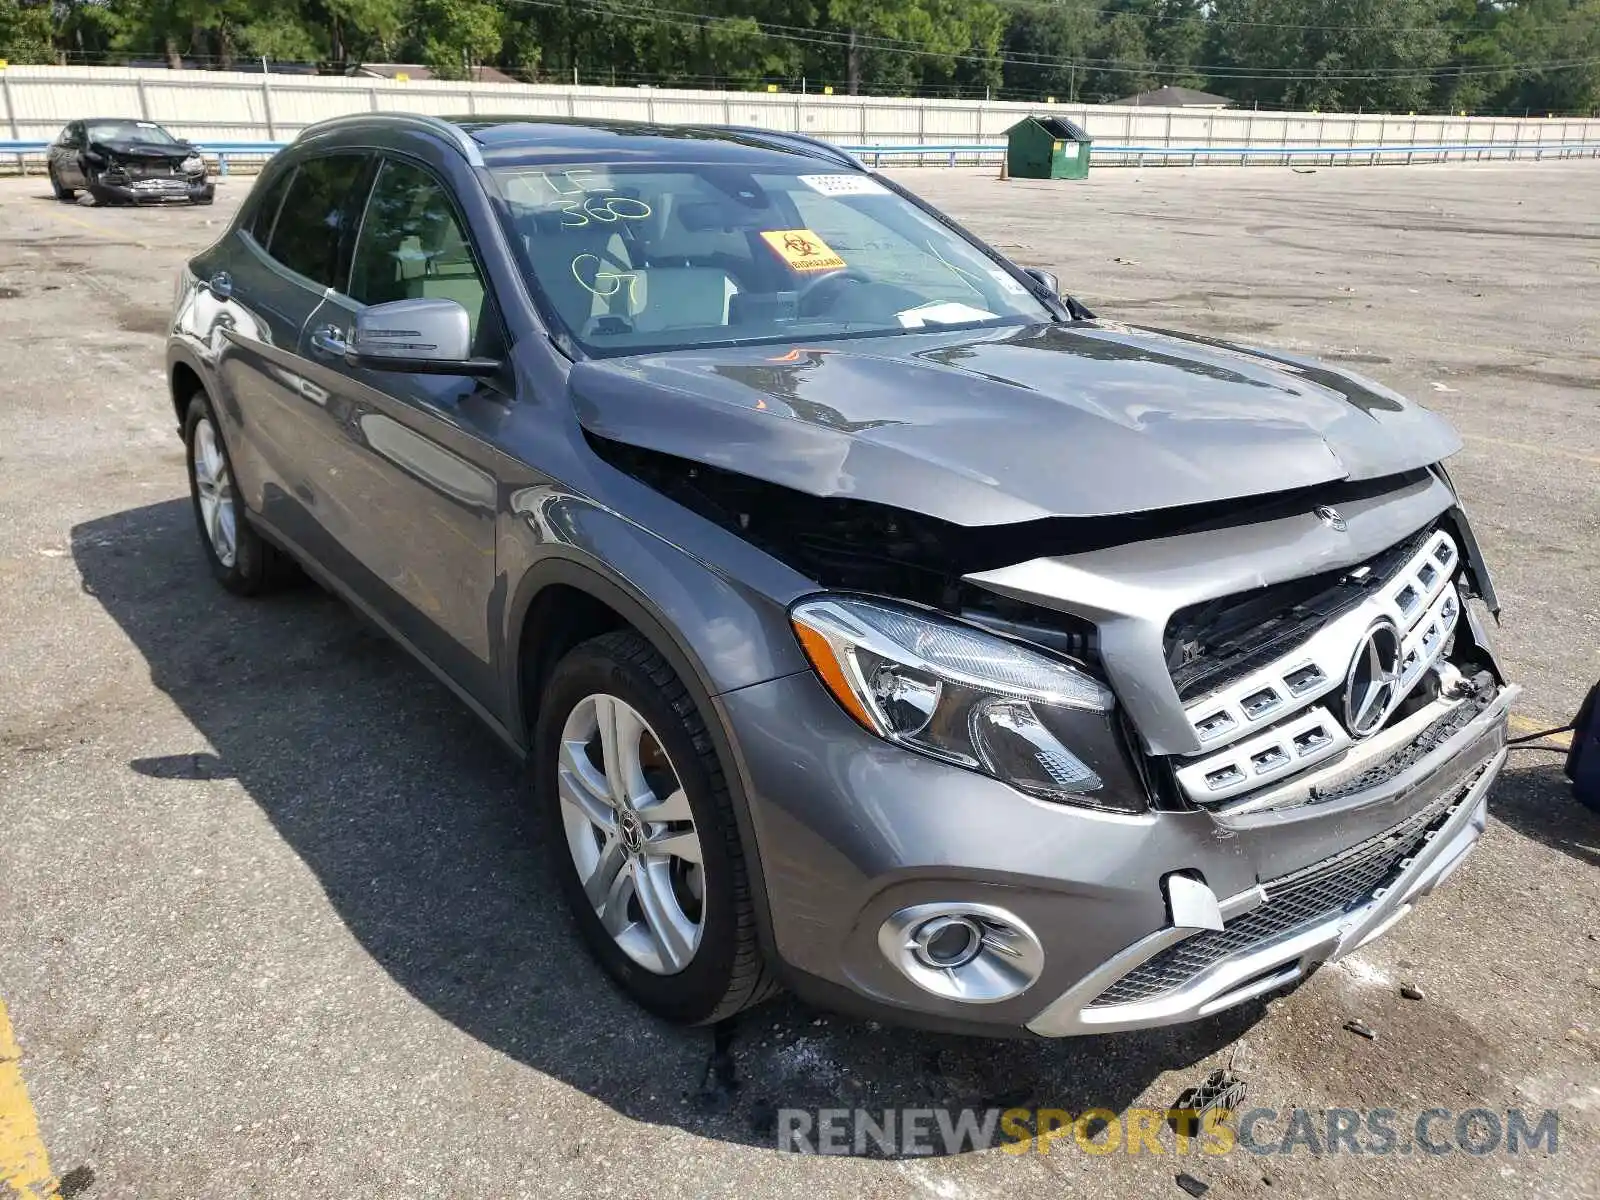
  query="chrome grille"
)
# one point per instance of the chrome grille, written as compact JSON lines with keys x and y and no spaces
{"x":1336,"y":885}
{"x":1303,"y":740}
{"x":1281,"y":717}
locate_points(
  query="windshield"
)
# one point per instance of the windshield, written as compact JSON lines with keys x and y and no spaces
{"x":130,"y":131}
{"x":667,"y":256}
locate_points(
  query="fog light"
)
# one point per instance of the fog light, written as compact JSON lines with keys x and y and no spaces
{"x":975,"y":953}
{"x":947,"y":941}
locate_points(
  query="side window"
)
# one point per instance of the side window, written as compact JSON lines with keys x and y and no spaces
{"x":412,"y":247}
{"x":267,"y":206}
{"x":318,"y":214}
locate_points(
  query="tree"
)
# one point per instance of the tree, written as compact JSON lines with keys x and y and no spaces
{"x":204,"y":29}
{"x":26,"y":34}
{"x":1176,"y":33}
{"x":1038,"y":43}
{"x":1551,"y":31}
{"x":279,"y":32}
{"x":891,"y":43}
{"x":1332,"y":55}
{"x":355,"y":31}
{"x":1122,"y":60}
{"x":456,"y":35}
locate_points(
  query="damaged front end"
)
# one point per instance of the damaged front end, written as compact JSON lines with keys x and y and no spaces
{"x":871,"y":548}
{"x":136,"y":173}
{"x":906,"y":644}
{"x":1307,"y":674}
{"x":1322,"y":687}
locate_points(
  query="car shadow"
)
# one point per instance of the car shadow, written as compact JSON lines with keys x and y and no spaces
{"x":410,"y":815}
{"x":1534,"y":797}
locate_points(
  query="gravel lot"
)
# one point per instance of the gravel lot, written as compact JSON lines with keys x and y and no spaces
{"x":270,"y":923}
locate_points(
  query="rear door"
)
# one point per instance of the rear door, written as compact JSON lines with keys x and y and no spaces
{"x":412,"y":503}
{"x":294,"y":249}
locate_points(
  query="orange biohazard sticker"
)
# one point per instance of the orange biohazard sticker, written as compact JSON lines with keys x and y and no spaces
{"x":802,"y":250}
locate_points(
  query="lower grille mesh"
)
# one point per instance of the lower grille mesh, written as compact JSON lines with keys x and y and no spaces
{"x":1336,"y":885}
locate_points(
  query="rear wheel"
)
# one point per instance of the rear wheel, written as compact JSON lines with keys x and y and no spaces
{"x":641,"y":833}
{"x":239,"y":559}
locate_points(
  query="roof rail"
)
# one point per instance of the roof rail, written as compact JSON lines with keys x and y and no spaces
{"x":452,"y":133}
{"x":798,"y":141}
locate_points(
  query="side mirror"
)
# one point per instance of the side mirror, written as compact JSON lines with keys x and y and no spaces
{"x":1047,"y":278}
{"x":419,"y":337}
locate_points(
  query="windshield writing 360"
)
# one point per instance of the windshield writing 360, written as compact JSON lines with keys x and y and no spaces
{"x":686,"y":255}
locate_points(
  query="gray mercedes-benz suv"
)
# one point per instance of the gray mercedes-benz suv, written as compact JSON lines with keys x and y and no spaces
{"x":872,"y":619}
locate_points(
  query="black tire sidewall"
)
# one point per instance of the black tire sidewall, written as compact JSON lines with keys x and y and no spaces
{"x":693,"y":994}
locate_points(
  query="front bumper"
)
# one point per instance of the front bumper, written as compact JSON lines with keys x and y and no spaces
{"x":174,"y":190}
{"x":1459,"y":787}
{"x":852,"y":831}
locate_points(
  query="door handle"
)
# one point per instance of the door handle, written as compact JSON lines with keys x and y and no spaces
{"x":220,"y":285}
{"x":330,"y":341}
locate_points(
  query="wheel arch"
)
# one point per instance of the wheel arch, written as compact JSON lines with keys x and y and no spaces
{"x":184,"y":381}
{"x":561,"y":603}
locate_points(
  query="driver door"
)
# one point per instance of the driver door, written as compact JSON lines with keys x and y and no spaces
{"x":413,"y":497}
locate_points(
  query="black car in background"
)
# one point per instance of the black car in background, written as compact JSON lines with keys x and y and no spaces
{"x":119,"y":160}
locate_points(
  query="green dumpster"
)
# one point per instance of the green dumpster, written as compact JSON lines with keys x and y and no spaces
{"x":1047,"y":148}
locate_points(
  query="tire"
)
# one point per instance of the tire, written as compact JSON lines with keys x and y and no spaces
{"x":240,"y":560}
{"x":726,"y":971}
{"x":62,"y":193}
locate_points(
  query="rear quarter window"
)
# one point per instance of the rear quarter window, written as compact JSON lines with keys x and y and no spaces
{"x":264,"y":210}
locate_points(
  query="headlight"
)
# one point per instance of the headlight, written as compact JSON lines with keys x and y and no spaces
{"x":194,"y":163}
{"x":958,"y":693}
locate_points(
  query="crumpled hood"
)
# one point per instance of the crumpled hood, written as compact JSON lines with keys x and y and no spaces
{"x":126,"y":148}
{"x":984,"y":427}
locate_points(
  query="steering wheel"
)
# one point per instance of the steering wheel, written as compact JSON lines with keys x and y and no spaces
{"x":821,"y":293}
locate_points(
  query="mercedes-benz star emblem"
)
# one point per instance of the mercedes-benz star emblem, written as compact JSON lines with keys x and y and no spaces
{"x":631,"y":830}
{"x":1374,"y":681}
{"x":1331,"y":518}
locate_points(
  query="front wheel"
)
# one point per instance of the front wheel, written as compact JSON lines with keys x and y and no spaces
{"x":62,"y":193}
{"x":239,"y":559}
{"x":641,"y":832}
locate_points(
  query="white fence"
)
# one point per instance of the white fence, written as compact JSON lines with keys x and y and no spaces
{"x":217,"y":108}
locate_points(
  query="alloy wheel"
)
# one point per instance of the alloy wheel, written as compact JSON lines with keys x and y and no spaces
{"x":214,"y":487}
{"x":631,"y":834}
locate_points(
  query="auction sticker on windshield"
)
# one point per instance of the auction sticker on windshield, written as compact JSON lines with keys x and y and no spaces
{"x":802,"y":250}
{"x":844,"y":185}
